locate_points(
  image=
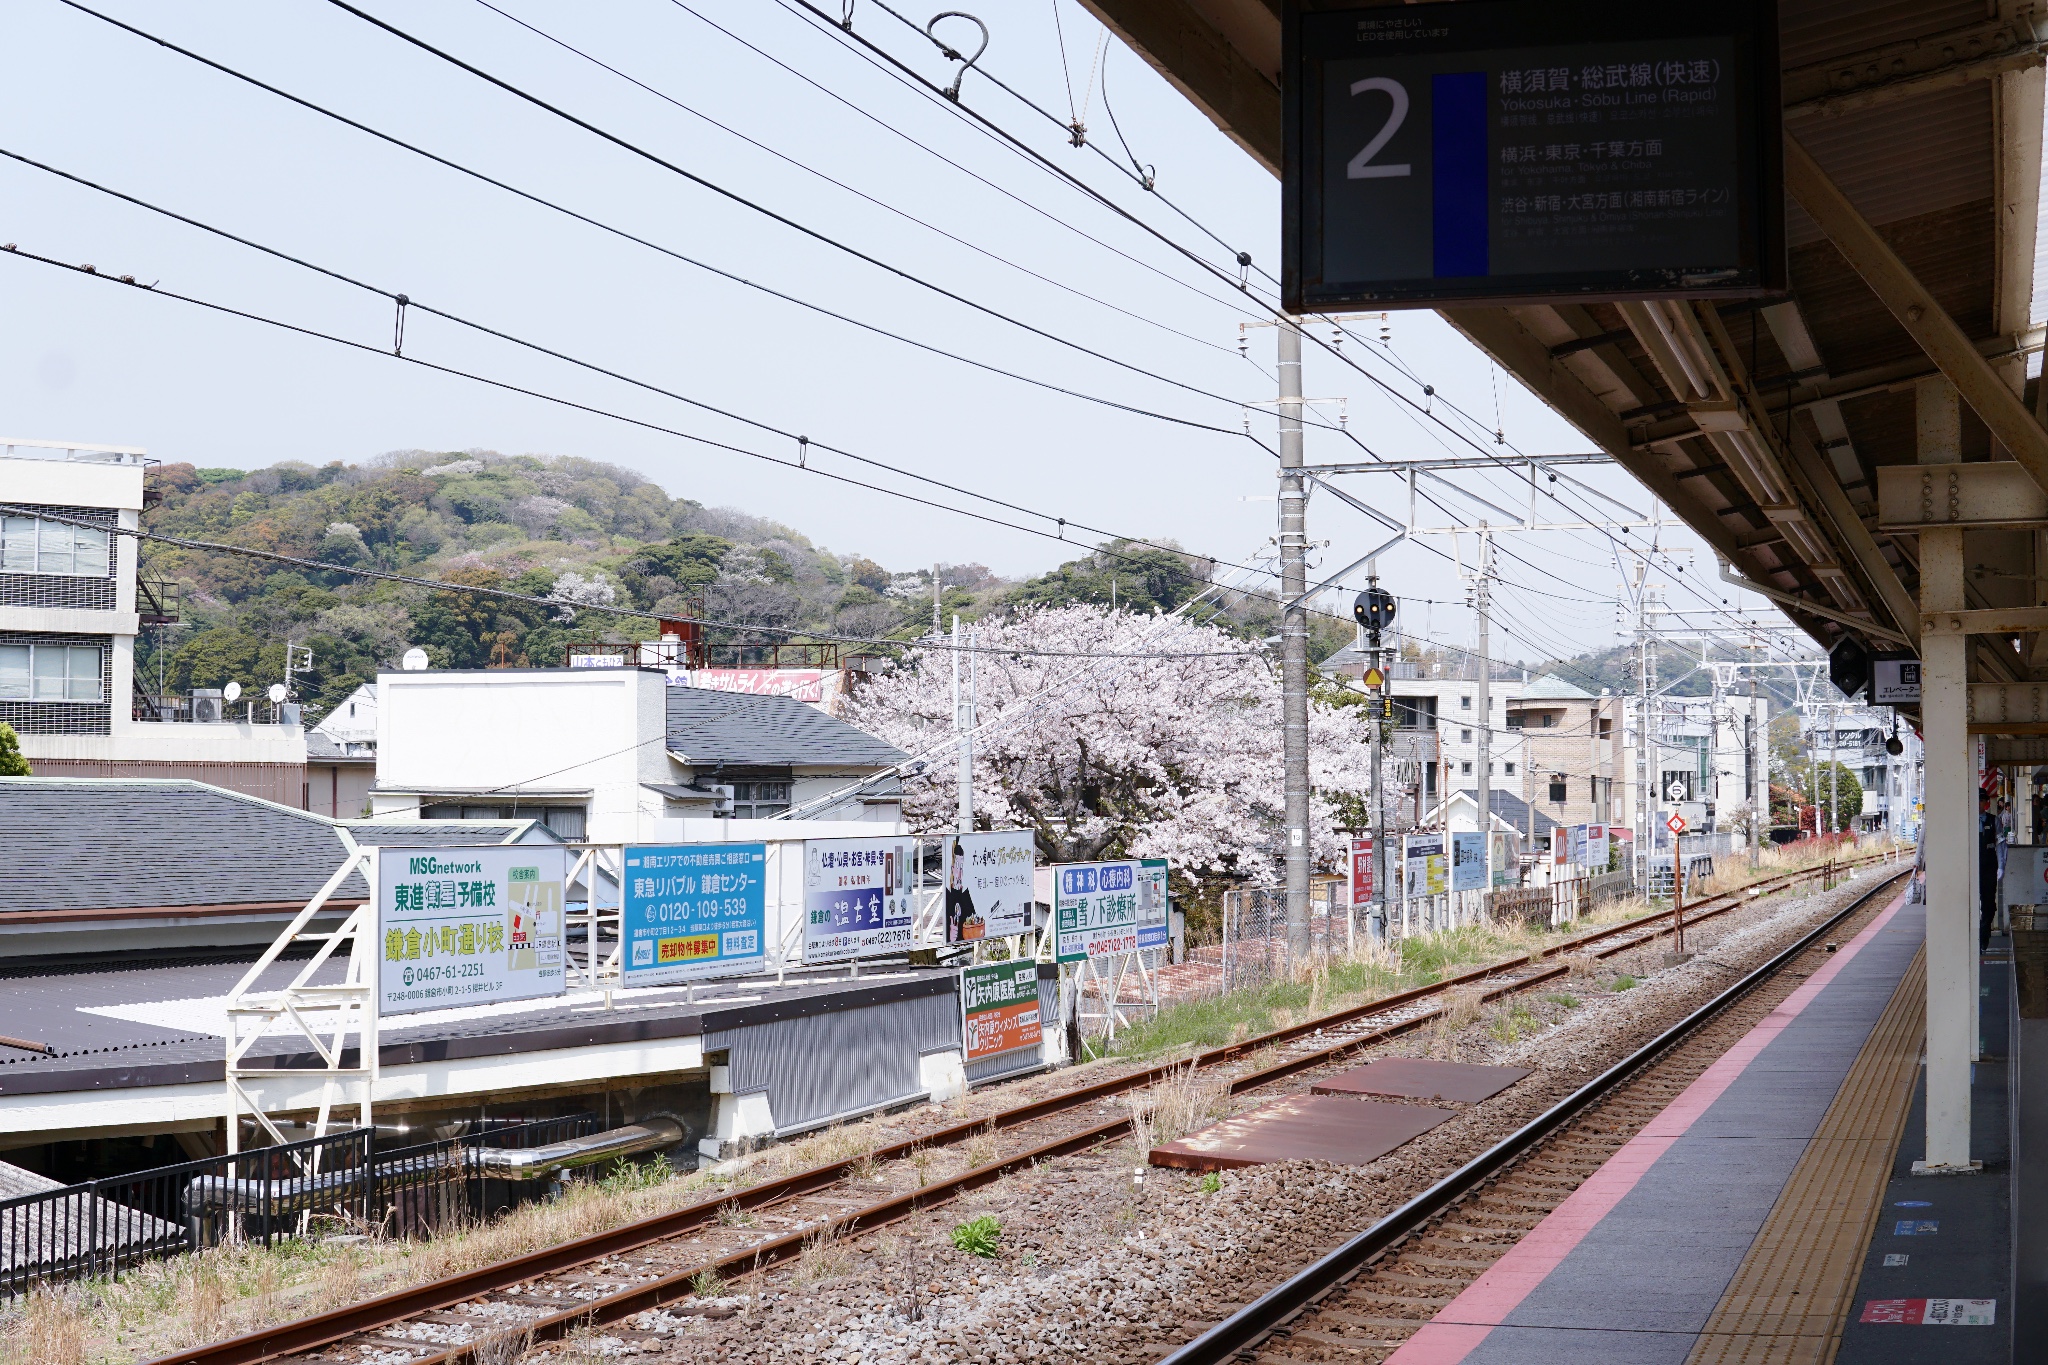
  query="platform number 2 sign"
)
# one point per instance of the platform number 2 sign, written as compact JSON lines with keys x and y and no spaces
{"x":1360,"y":167}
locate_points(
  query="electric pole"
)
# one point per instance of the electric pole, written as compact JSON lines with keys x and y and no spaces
{"x":1482,"y":593}
{"x":1758,"y":761}
{"x":1294,"y":640}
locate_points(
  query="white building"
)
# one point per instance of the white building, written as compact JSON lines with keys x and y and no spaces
{"x":341,"y":756}
{"x":68,"y":622}
{"x":600,"y":753}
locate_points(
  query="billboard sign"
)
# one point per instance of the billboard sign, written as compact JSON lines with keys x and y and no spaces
{"x":1361,"y":870}
{"x":1503,"y":150}
{"x":999,"y":1008}
{"x":857,"y":898}
{"x":693,"y":911}
{"x":1427,"y":864}
{"x":988,"y":884}
{"x":468,"y":926}
{"x":1102,"y":909}
{"x":1468,"y":860}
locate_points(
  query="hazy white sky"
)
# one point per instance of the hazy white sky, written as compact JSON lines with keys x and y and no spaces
{"x":88,"y":361}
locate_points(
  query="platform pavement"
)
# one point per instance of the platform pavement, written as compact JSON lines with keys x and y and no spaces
{"x":1631,"y":1267}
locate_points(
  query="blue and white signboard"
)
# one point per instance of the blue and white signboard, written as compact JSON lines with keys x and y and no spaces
{"x":1102,"y":909}
{"x":1468,"y":860}
{"x":857,"y":897}
{"x":693,"y":911}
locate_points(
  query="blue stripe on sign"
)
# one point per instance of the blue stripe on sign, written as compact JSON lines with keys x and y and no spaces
{"x":1458,"y":168}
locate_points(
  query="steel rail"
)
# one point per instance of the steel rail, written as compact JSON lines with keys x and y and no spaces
{"x":1244,"y":1330}
{"x":322,"y":1329}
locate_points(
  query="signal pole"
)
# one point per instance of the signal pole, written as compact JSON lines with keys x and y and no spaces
{"x":1374,"y":611}
{"x":1482,"y":595}
{"x":1294,"y":641}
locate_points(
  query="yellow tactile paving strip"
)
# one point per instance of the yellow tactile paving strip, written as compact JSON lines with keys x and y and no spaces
{"x":1788,"y":1302}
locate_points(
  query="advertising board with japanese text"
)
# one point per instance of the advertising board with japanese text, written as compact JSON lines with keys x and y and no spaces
{"x":1426,"y":863}
{"x":1525,"y":150}
{"x":693,"y":911}
{"x":468,"y":926}
{"x":1361,"y":870}
{"x":1102,"y":909}
{"x":988,"y":884}
{"x":999,"y":1008}
{"x":857,"y":897}
{"x":1468,"y":860}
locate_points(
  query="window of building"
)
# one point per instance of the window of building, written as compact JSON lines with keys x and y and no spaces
{"x":756,"y":800}
{"x":1464,"y":736}
{"x":1414,"y":713}
{"x":1606,"y":726}
{"x":1464,"y":703}
{"x":50,"y":673}
{"x":32,"y":545}
{"x":1557,"y":789}
{"x":1549,"y":720}
{"x":1514,"y":720}
{"x":1511,"y":770}
{"x":1465,"y":768}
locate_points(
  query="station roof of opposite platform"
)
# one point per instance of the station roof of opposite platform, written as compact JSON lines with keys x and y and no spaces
{"x":1913,"y":171}
{"x":80,"y":847}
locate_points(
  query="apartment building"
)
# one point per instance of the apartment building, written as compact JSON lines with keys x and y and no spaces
{"x":71,"y":606}
{"x":1570,"y":746}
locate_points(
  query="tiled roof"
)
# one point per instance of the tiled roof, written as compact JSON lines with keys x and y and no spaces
{"x":1550,"y":687}
{"x":115,"y":843}
{"x":739,"y":729}
{"x":134,"y":843}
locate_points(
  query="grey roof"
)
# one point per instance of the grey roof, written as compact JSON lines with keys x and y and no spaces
{"x":134,"y":843}
{"x":1511,"y":808}
{"x":1550,"y":687}
{"x":739,"y":729}
{"x":112,"y":843}
{"x":324,"y":748}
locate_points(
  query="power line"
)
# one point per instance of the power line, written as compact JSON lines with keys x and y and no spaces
{"x":635,"y":238}
{"x":561,"y":604}
{"x":784,"y":157}
{"x":785,"y":220}
{"x":971,"y":174}
{"x":407,"y":302}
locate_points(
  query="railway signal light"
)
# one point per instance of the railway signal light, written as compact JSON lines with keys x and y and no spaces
{"x":1374,"y":609}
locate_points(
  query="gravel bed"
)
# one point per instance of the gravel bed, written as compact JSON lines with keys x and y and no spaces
{"x":1104,"y":1259}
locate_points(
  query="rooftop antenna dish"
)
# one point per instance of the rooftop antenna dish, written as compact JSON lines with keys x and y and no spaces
{"x":232,"y":692}
{"x":415,"y":660}
{"x":276,"y":693}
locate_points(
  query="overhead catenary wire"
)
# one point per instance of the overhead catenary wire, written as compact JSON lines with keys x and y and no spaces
{"x":808,"y":169}
{"x":815,"y":234}
{"x":638,"y":240}
{"x":405,"y":301}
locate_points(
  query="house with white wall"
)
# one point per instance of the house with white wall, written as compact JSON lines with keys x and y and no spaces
{"x":604,"y":753}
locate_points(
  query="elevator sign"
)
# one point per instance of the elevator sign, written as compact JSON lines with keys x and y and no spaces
{"x":1504,"y":150}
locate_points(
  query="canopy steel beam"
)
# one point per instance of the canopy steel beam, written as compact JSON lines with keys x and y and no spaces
{"x":1917,"y":311}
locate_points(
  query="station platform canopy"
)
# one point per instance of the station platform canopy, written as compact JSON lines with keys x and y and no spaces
{"x":1912,"y":172}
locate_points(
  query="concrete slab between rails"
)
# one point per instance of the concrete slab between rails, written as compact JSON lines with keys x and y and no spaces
{"x":1633,"y":1266}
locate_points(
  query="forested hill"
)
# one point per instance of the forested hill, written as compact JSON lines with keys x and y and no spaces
{"x":571,"y":529}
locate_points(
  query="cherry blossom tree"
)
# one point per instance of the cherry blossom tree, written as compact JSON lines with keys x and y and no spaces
{"x":1174,"y":754}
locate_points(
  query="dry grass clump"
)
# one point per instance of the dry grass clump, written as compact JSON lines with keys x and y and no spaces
{"x":51,"y":1329}
{"x":508,"y":1347}
{"x":825,"y":1258}
{"x":984,"y":1147}
{"x":1176,"y":1105}
{"x":832,"y":1146}
{"x":206,"y":1295}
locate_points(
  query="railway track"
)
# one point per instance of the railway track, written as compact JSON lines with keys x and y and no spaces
{"x":663,"y":1262}
{"x":1361,"y":1301}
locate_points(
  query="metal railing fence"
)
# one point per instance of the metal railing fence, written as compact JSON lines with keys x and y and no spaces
{"x":346,"y":1180}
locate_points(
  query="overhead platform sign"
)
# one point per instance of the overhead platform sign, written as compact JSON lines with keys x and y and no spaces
{"x":1524,"y":150}
{"x":468,"y":926}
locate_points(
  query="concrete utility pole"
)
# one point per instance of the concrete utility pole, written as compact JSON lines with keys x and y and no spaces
{"x":1482,"y":595}
{"x":963,"y":726}
{"x":1757,"y":760}
{"x":1380,"y":861}
{"x":1646,"y":799}
{"x":1294,"y":640}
